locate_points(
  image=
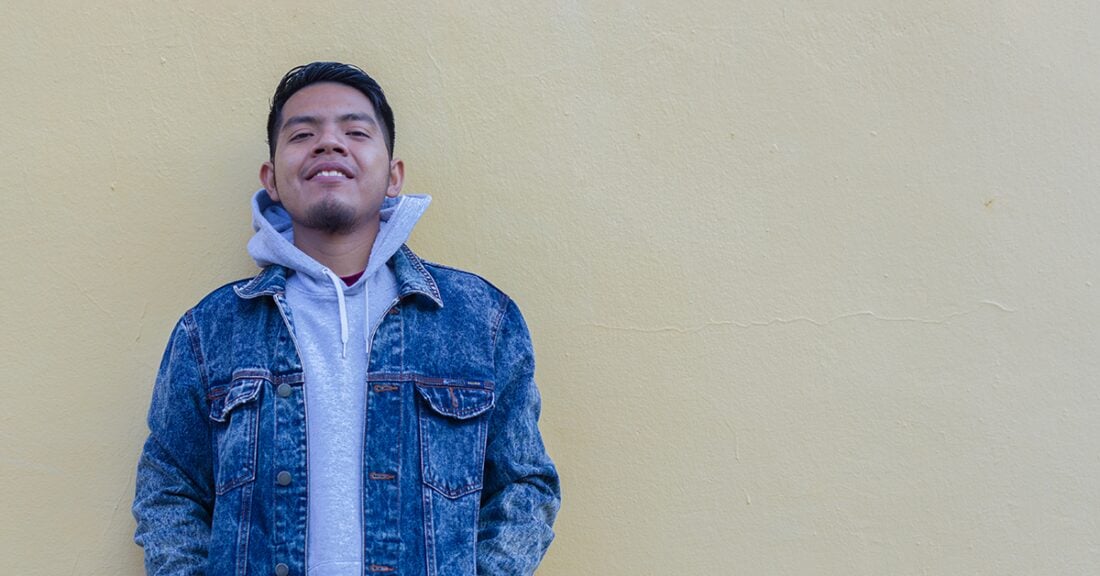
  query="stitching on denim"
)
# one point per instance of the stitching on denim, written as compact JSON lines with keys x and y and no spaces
{"x":431,"y":381}
{"x":248,"y":290}
{"x":287,"y":329}
{"x":245,"y":290}
{"x":400,"y":345}
{"x":292,"y":378}
{"x":250,"y":475}
{"x":457,"y":492}
{"x":475,"y":512}
{"x":426,"y":497}
{"x":220,"y":391}
{"x":399,"y":445}
{"x":243,"y":530}
{"x":486,"y":403}
{"x":251,"y":374}
{"x":304,"y":459}
{"x":415,"y":261}
{"x":425,"y":452}
{"x":365,"y":460}
{"x":245,"y":378}
{"x":191,"y":331}
{"x":503,"y":306}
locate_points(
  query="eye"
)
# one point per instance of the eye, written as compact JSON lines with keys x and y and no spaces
{"x":299,"y":136}
{"x":358,"y":134}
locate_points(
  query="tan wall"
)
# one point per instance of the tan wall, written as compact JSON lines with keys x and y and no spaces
{"x":812,"y":285}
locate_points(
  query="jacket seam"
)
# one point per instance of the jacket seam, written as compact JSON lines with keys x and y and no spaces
{"x":196,"y":349}
{"x":503,"y":306}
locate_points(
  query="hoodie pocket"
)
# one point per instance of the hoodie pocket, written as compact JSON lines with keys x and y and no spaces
{"x":453,"y":418}
{"x":234,"y":412}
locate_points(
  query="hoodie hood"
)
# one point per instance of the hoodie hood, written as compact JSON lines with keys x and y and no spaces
{"x":273,"y":241}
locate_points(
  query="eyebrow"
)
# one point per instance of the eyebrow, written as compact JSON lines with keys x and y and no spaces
{"x":358,"y":117}
{"x":314,"y":120}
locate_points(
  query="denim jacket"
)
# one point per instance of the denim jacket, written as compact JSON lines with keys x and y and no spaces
{"x":456,"y":480}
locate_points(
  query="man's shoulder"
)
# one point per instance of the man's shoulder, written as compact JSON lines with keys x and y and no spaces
{"x":463,"y":285}
{"x":472,"y":304}
{"x":240,"y":293}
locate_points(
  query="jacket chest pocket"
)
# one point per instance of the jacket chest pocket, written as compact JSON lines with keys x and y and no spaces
{"x":453,"y":421}
{"x":234,"y":412}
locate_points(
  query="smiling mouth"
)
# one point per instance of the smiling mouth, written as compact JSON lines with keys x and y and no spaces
{"x":330,"y":172}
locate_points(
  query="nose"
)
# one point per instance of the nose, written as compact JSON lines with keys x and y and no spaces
{"x":329,"y":141}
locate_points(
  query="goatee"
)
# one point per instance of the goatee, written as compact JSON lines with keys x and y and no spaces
{"x":331,"y":216}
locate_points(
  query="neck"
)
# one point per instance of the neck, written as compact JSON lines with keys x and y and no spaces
{"x":344,"y":254}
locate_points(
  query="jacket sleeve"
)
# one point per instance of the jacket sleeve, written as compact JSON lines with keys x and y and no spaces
{"x":174,"y":491}
{"x":521,"y":494}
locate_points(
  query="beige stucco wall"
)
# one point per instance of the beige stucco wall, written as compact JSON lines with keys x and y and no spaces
{"x":812,"y":284}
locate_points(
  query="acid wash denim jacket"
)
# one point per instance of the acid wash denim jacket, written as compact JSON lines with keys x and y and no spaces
{"x":456,"y":480}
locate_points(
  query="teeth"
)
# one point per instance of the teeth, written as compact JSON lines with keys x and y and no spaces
{"x":331,"y":173}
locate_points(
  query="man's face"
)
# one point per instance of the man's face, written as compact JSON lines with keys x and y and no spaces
{"x":331,"y":169}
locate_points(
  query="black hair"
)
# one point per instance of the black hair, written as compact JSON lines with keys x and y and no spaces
{"x":346,"y":74}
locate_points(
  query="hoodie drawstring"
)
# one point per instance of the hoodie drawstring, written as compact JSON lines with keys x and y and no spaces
{"x":366,"y":319}
{"x":338,"y":285}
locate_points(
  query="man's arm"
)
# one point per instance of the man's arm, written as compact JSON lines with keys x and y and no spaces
{"x":175,"y":495}
{"x":521,"y":494}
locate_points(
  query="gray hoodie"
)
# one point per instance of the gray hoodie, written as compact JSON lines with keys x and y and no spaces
{"x":333,"y":325}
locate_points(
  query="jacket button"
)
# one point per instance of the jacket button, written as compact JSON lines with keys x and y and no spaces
{"x":283,"y":478}
{"x":283,"y":390}
{"x":282,"y":569}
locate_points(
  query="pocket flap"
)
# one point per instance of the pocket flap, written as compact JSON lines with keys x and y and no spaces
{"x":239,"y":391}
{"x":459,"y":402}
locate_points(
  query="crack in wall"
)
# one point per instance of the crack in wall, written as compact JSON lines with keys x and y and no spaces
{"x":798,"y":319}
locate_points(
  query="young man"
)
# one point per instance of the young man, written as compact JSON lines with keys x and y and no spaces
{"x":352,"y":409}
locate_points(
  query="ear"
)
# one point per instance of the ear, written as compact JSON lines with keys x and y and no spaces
{"x":267,"y":178}
{"x":397,"y":177}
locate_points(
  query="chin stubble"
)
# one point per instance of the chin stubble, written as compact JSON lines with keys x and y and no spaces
{"x":331,"y":216}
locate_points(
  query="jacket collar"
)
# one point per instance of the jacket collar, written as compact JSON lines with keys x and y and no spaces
{"x":412,"y":278}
